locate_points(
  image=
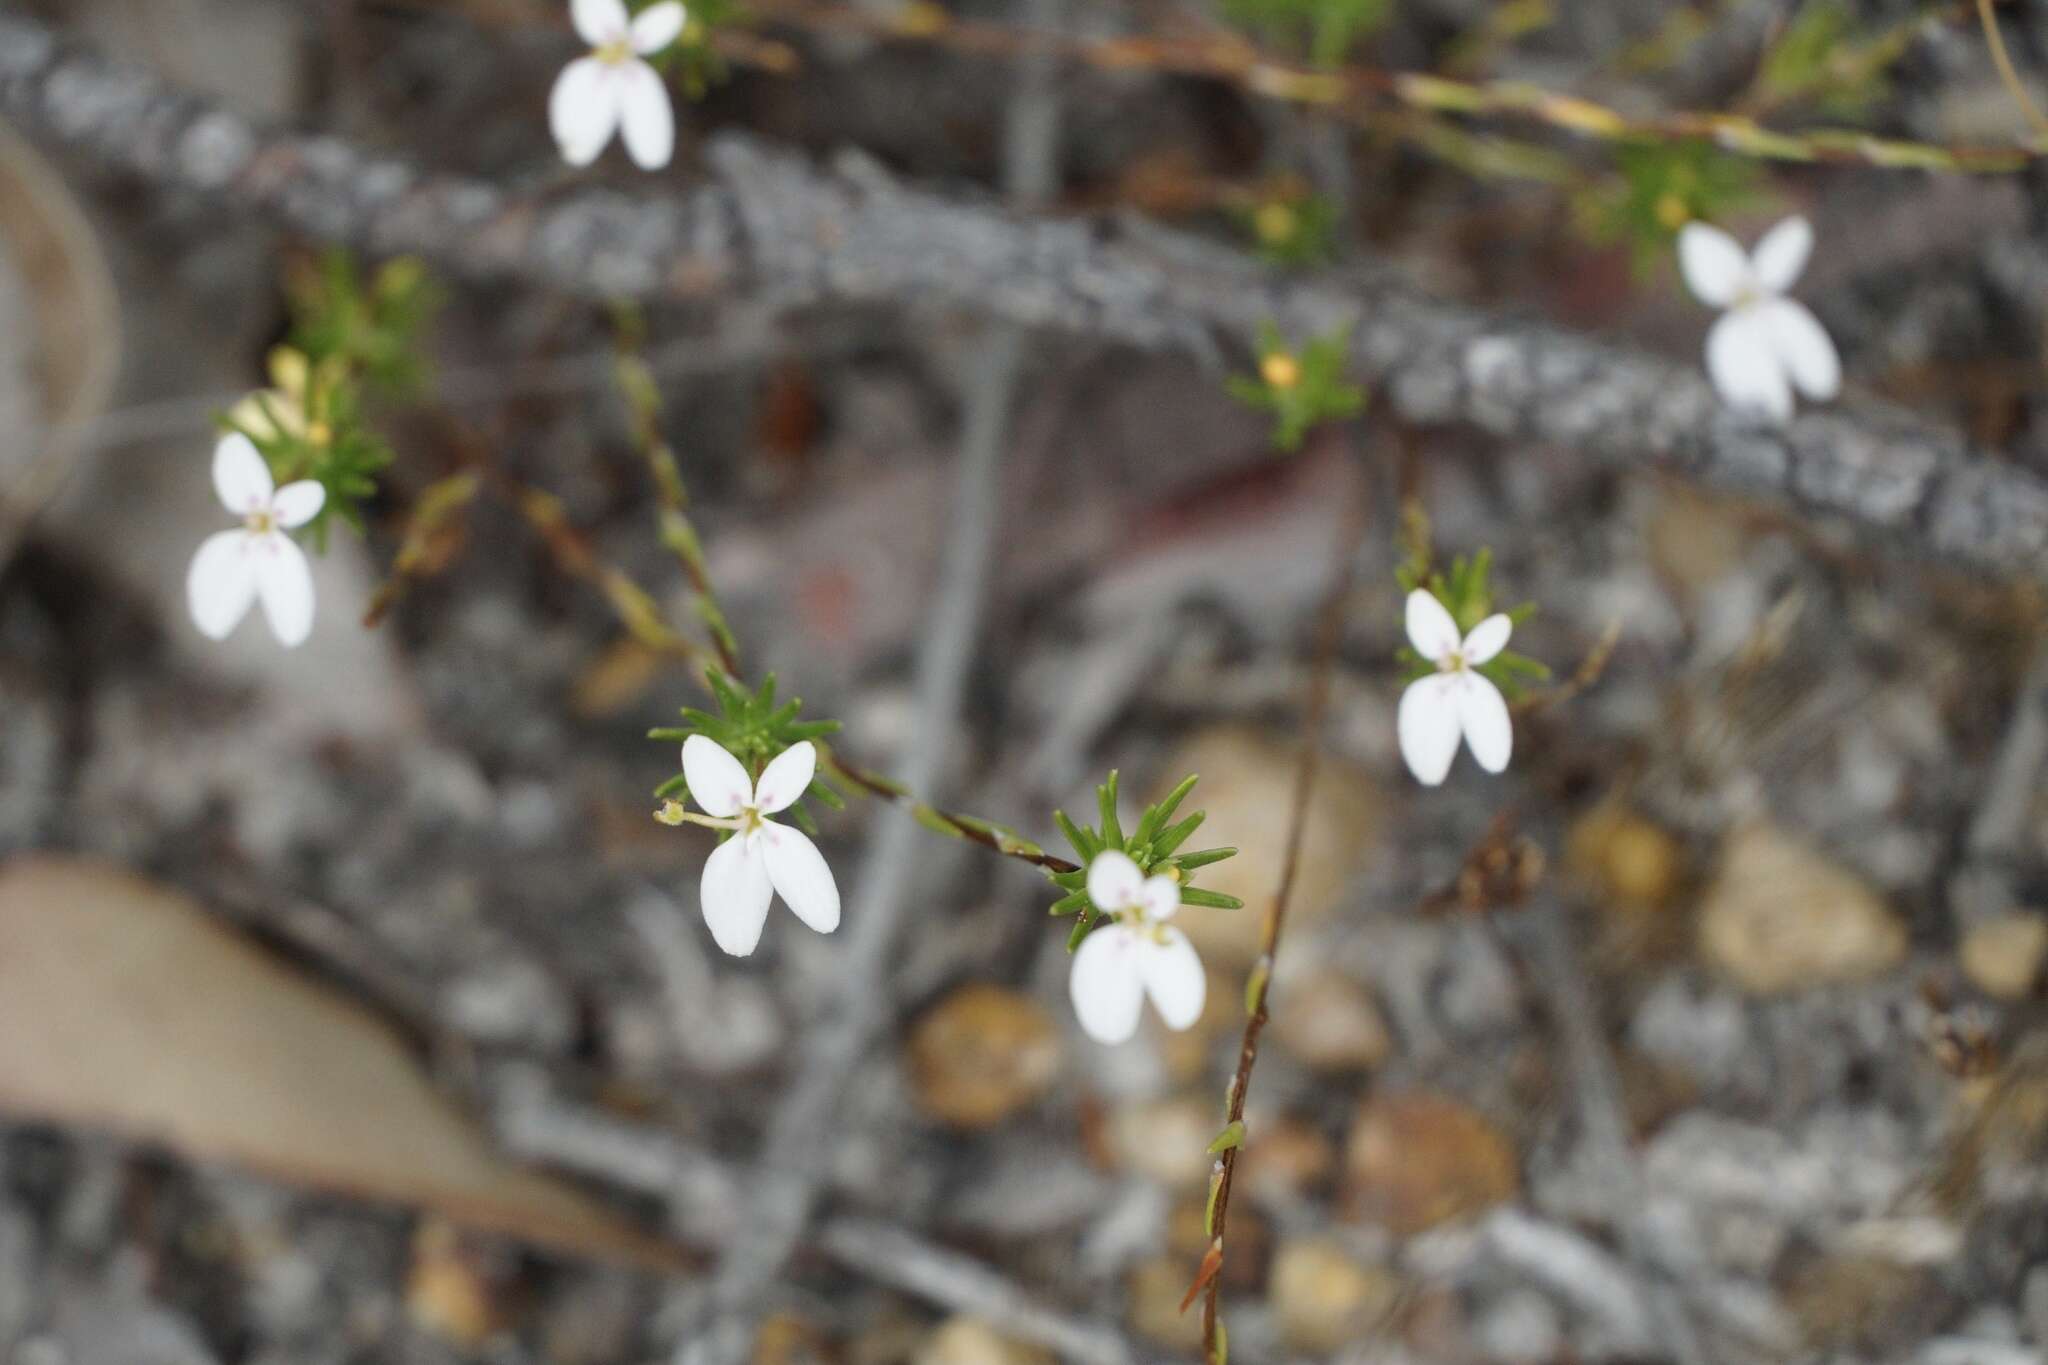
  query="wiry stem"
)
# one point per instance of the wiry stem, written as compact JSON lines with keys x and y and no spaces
{"x":2003,"y":61}
{"x":643,"y":402}
{"x":1359,"y":92}
{"x":1329,"y":631}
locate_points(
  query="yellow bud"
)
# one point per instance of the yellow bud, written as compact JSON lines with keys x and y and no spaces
{"x":1672,"y":212}
{"x":1280,"y":370}
{"x":288,"y":370}
{"x":671,"y":813}
{"x":1276,"y":223}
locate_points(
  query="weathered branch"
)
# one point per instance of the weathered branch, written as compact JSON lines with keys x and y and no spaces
{"x":777,"y":228}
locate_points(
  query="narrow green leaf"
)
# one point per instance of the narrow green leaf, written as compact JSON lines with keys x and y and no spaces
{"x":1214,"y":900}
{"x":1203,"y":857}
{"x":1105,"y":795}
{"x":1173,"y":838}
{"x":1231,"y":1136}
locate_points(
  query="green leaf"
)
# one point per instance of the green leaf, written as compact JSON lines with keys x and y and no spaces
{"x":1105,"y":796}
{"x":1214,"y":900}
{"x":1231,"y":1136}
{"x":1176,"y":836}
{"x":1190,"y":861}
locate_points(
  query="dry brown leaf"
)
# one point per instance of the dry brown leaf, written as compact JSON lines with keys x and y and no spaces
{"x":125,"y":1006}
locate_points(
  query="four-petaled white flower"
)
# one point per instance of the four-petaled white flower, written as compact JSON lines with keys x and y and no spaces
{"x":1117,"y":966}
{"x":762,"y":857}
{"x":257,"y":558}
{"x":1765,"y":343}
{"x":614,"y":89}
{"x":1456,"y":700}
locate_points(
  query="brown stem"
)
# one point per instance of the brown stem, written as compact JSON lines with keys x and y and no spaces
{"x":2003,"y":61}
{"x":1358,"y":93}
{"x":970,"y":828}
{"x":1329,"y":631}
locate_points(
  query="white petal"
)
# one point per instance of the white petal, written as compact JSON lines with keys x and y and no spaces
{"x":1804,"y":347}
{"x":1430,"y":627}
{"x":717,"y":780}
{"x":801,"y":875}
{"x":647,"y":119}
{"x":1714,"y":264}
{"x":583,"y":110}
{"x":285,"y":583}
{"x":221,"y":583}
{"x":1173,"y":978}
{"x":735,"y":893}
{"x":1114,"y":881}
{"x":1427,"y":723}
{"x":1105,"y":985}
{"x":655,"y":27}
{"x":298,"y":503}
{"x":1488,"y":638}
{"x":1483,"y":715}
{"x":785,"y":778}
{"x":1742,"y":360}
{"x":241,"y":475}
{"x":1782,"y":254}
{"x":599,"y":21}
{"x":1159,"y":898}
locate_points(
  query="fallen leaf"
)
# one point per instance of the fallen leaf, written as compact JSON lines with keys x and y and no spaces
{"x":124,"y":1006}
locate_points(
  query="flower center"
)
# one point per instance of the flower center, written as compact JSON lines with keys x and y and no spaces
{"x":1453,"y":662}
{"x":260,"y":522}
{"x":616,"y":52}
{"x":750,"y":820}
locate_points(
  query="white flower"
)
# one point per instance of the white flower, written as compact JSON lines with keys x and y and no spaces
{"x":762,"y":857}
{"x":1456,"y":700}
{"x":1116,"y":967}
{"x":256,"y":559}
{"x":1765,"y":343}
{"x":614,"y":89}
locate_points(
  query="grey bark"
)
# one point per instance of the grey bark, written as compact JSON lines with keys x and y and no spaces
{"x":789,"y":234}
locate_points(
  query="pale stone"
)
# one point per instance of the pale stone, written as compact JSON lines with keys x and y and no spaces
{"x":1780,"y":917}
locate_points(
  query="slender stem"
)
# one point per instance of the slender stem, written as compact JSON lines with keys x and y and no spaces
{"x":1361,"y":92}
{"x":637,"y":386}
{"x":2003,"y":61}
{"x":1329,"y":631}
{"x":434,"y":514}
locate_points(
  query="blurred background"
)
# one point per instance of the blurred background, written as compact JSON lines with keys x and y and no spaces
{"x":353,"y":1008}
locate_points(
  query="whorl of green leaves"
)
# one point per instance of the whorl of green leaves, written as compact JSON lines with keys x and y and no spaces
{"x":1301,"y":388}
{"x":1468,"y":596}
{"x":754,"y":729}
{"x":1153,"y":844}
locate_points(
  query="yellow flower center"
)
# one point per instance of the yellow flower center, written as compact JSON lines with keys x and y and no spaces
{"x":261,"y":522}
{"x":616,"y":52}
{"x":1280,"y":370}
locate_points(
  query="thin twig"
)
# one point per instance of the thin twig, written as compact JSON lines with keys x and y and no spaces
{"x":678,"y":533}
{"x":2000,"y":58}
{"x":1329,"y":632}
{"x":1360,"y":92}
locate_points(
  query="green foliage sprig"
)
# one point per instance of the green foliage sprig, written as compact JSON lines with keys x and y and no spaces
{"x":1300,"y":388}
{"x":1468,"y":596}
{"x":1153,"y":844}
{"x":1329,"y":28}
{"x":352,"y":341}
{"x":753,"y":728}
{"x":1657,"y":189}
